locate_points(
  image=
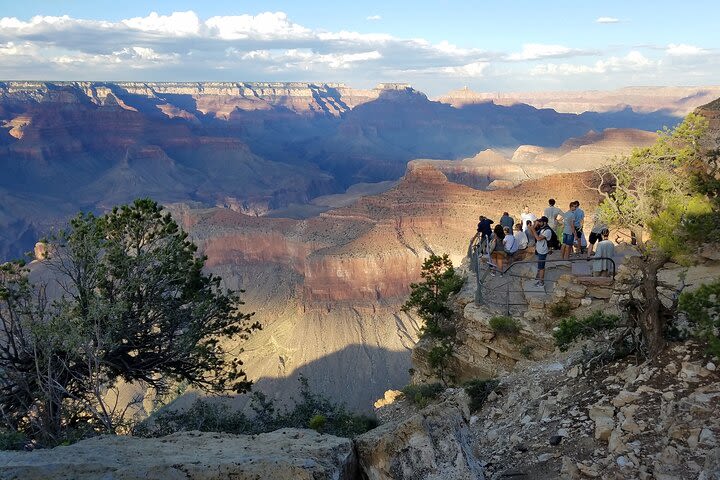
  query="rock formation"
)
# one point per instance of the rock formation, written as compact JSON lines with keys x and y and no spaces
{"x":328,"y":289}
{"x":287,"y":454}
{"x":254,"y":147}
{"x":679,"y":100}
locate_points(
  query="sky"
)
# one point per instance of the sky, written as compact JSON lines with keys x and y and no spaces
{"x":435,"y":45}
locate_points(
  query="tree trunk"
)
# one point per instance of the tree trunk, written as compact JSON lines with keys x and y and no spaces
{"x":649,"y":316}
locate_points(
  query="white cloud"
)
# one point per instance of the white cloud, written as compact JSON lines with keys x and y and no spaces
{"x":264,"y":26}
{"x":684,"y":50}
{"x":534,"y":51}
{"x":373,"y":18}
{"x":607,"y":20}
{"x":634,"y":61}
{"x":176,"y":24}
{"x":475,"y":69}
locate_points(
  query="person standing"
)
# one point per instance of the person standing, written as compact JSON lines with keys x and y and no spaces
{"x":507,"y":221}
{"x":570,"y":237}
{"x":579,"y":222}
{"x":605,"y":249}
{"x":595,"y":233}
{"x":484,"y":231}
{"x":526,"y":216}
{"x":541,"y":234}
{"x":552,"y":213}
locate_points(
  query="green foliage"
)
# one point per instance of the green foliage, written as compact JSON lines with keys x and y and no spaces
{"x":134,"y":306}
{"x":478,"y":391}
{"x":703,"y":311}
{"x":503,"y":325}
{"x":439,"y":359}
{"x":560,"y":309}
{"x":12,"y":440}
{"x":317,"y":422}
{"x":526,"y":350}
{"x":572,"y":328}
{"x":310,"y":410}
{"x":422,"y":394}
{"x":429,"y":299}
{"x":669,"y":189}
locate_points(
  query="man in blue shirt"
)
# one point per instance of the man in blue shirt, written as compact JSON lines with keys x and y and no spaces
{"x":570,"y":236}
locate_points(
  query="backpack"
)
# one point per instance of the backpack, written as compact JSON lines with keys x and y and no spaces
{"x":553,"y":243}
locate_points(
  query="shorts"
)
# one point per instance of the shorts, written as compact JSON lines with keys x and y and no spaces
{"x":594,"y":237}
{"x":541,"y":260}
{"x":568,"y":239}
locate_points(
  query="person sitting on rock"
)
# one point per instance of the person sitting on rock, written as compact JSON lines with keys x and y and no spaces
{"x":509,"y":243}
{"x":605,"y":249}
{"x":498,"y":254}
{"x":521,"y":239}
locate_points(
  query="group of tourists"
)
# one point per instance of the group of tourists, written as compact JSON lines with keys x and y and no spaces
{"x":509,"y":240}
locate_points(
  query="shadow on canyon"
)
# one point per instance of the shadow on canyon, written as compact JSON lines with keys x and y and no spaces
{"x":357,"y":375}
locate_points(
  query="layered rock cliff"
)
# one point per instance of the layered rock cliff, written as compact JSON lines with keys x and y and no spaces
{"x":679,"y":100}
{"x":328,"y":289}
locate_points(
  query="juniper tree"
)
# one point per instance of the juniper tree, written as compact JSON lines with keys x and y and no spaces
{"x":131,"y":302}
{"x":666,"y":195}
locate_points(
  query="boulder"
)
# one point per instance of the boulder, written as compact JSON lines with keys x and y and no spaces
{"x":433,"y":444}
{"x":289,"y":454}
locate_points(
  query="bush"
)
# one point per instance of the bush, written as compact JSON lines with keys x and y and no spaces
{"x":317,"y":422}
{"x":12,"y":440}
{"x":478,"y":391}
{"x":311,"y":410}
{"x":503,"y":325}
{"x":560,"y":309}
{"x":421,"y":395}
{"x":703,"y":311}
{"x":572,"y":328}
{"x":526,"y":350}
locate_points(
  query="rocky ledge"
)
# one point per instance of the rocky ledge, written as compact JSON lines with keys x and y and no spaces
{"x":287,"y":454}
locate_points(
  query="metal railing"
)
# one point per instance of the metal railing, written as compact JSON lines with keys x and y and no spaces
{"x":488,"y":295}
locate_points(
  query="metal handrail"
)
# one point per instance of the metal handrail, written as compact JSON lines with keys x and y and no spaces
{"x":481,"y":274}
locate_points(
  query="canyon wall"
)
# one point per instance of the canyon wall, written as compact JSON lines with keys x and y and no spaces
{"x":329,"y":289}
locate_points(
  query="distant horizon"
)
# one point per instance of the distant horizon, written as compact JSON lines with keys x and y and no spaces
{"x":350,"y":85}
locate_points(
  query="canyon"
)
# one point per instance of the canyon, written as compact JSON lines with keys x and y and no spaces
{"x":258,"y":148}
{"x":319,"y":200}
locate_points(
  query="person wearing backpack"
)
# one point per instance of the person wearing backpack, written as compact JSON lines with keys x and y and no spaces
{"x":542,"y":234}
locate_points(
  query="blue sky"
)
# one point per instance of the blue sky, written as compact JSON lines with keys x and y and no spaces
{"x":437,"y":45}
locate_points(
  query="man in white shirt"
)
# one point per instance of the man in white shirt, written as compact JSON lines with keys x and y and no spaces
{"x":520,"y":237}
{"x":527,"y":215}
{"x":542,"y":234}
{"x":509,"y":243}
{"x":552,"y":212}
